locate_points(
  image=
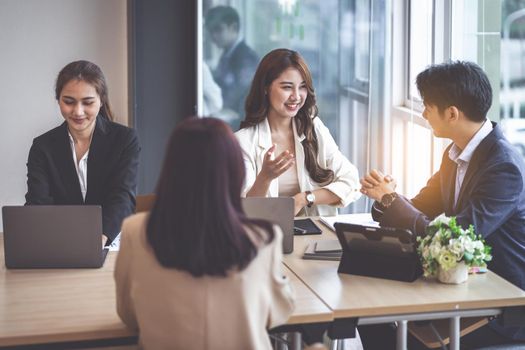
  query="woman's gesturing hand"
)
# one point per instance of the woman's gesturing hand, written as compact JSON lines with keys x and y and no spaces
{"x":273,"y":168}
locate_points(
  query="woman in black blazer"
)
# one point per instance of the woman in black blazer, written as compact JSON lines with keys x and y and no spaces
{"x":88,"y":159}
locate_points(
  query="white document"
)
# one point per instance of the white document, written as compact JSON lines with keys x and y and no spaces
{"x":357,"y":219}
{"x":115,"y":245}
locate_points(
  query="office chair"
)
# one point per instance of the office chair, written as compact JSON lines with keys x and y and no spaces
{"x":144,"y":202}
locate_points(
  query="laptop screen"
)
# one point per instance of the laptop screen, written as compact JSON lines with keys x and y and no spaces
{"x":53,"y":236}
{"x":279,"y":210}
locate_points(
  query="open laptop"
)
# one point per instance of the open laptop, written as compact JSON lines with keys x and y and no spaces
{"x":278,"y":210}
{"x":53,"y":236}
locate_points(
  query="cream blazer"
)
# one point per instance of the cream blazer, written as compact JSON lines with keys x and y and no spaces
{"x":174,"y":310}
{"x":255,"y":142}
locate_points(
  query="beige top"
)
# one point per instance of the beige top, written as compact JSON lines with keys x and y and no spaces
{"x":174,"y":310}
{"x":288,"y":183}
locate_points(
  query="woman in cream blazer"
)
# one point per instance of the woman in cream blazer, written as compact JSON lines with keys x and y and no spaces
{"x":196,"y":273}
{"x":288,"y":151}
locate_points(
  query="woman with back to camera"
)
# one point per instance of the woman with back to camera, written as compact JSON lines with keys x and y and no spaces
{"x":88,"y":159}
{"x":288,"y":151}
{"x":196,"y":273}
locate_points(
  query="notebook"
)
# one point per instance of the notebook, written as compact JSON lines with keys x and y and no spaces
{"x":279,"y":210}
{"x":53,"y":236}
{"x":323,"y":249}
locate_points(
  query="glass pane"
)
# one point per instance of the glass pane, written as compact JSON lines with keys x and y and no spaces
{"x":420,"y":51}
{"x":419,"y":158}
{"x":466,"y":32}
{"x":309,"y":27}
{"x":362,"y":30}
{"x":512,"y":97}
{"x":354,"y":110}
{"x":398,"y":153}
{"x":334,"y":38}
{"x":476,"y":37}
{"x":355,"y":44}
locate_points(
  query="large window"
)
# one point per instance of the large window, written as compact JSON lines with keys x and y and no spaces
{"x":421,"y":45}
{"x":340,"y":40}
{"x":428,"y":32}
{"x":415,"y":152}
{"x":365,"y":55}
{"x":512,"y":97}
{"x":310,"y":27}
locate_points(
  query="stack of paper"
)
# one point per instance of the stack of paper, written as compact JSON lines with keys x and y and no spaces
{"x":357,"y":219}
{"x":323,"y":250}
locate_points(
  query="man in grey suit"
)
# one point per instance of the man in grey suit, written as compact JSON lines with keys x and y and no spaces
{"x":236,"y":67}
{"x":480,"y":181}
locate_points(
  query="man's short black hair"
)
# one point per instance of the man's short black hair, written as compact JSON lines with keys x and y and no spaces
{"x":460,"y":84}
{"x":221,"y":14}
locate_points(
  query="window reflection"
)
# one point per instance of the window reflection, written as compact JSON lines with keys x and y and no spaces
{"x":236,"y":64}
{"x":421,"y":41}
{"x":309,"y":27}
{"x":333,"y":36}
{"x":512,"y":97}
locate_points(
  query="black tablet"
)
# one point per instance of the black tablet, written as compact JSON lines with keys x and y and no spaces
{"x":385,"y":240}
{"x":378,"y":252}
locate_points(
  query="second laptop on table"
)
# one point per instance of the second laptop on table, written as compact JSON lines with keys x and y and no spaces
{"x":53,"y":236}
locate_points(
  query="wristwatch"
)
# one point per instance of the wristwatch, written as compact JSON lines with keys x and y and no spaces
{"x":310,"y":198}
{"x":387,"y":199}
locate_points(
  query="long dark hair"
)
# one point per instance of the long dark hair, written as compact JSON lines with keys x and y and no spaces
{"x":197,"y":223}
{"x":91,"y":74}
{"x":257,"y":105}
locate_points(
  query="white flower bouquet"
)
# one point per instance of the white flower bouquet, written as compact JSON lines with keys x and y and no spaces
{"x":447,"y":244}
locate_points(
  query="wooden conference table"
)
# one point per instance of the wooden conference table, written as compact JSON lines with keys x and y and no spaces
{"x":78,"y":305}
{"x":373,"y":300}
{"x":51,"y":306}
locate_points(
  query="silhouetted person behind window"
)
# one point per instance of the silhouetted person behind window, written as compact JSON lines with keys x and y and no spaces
{"x":237,"y":64}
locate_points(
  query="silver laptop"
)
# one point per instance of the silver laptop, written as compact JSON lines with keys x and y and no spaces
{"x":53,"y":236}
{"x":277,"y":210}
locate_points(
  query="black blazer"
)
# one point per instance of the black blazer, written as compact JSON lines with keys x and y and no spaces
{"x":111,"y":176}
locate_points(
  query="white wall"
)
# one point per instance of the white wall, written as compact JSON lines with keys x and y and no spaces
{"x":38,"y":38}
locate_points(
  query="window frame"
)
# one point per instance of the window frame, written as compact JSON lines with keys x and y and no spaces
{"x":407,"y":110}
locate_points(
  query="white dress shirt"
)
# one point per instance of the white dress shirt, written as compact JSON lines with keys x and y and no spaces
{"x":80,"y":166}
{"x":462,"y":157}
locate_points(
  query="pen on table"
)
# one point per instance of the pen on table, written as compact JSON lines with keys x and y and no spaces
{"x":299,"y":230}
